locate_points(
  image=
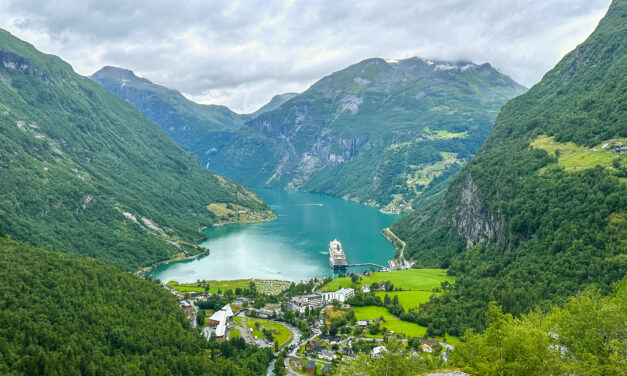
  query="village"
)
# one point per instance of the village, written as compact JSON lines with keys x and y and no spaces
{"x":312,"y":326}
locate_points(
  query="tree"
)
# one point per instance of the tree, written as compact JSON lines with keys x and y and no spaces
{"x":276,"y":345}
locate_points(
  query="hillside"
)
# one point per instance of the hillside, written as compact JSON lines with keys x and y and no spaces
{"x":68,"y":315}
{"x":192,"y":125}
{"x":539,"y":213}
{"x":380,"y":131}
{"x":84,"y":172}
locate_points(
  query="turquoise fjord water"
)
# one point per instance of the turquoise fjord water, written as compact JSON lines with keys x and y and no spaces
{"x":294,"y":246}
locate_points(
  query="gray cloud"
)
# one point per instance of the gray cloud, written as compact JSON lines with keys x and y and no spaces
{"x":241,"y":53}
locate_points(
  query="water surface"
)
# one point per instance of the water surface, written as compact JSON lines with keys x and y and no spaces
{"x":294,"y":246}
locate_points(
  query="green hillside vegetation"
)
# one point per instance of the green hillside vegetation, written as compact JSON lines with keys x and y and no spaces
{"x":586,"y":337}
{"x":194,"y":126}
{"x":67,"y":315}
{"x":519,"y":225}
{"x":84,"y":172}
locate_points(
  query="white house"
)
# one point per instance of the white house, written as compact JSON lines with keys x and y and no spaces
{"x":378,"y":351}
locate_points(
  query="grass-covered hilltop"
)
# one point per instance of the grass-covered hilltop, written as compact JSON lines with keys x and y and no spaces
{"x":84,"y":172}
{"x":539,"y":213}
{"x":384,"y":132}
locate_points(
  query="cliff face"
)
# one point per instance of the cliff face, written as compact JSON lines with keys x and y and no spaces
{"x":472,"y":219}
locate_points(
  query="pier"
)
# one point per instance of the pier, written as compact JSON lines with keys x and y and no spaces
{"x":368,"y":264}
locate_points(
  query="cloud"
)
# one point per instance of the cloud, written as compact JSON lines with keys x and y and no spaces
{"x":241,"y":53}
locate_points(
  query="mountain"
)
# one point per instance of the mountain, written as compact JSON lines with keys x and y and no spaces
{"x":276,"y":102}
{"x":68,"y":315}
{"x":539,"y":213}
{"x":380,"y":131}
{"x":83,"y":171}
{"x":190,"y":124}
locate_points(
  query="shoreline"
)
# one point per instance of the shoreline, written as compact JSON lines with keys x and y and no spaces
{"x":206,"y":251}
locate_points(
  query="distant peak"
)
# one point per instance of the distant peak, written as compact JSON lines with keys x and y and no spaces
{"x":115,"y":72}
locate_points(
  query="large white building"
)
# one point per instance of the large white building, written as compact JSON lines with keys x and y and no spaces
{"x":219,"y":319}
{"x":340,"y":295}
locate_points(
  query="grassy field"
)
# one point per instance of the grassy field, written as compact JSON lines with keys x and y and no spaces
{"x":413,"y":279}
{"x":408,"y":299}
{"x":213,"y":285}
{"x":269,"y":287}
{"x":574,"y":157}
{"x":391,"y":322}
{"x":234,"y":333}
{"x":281,"y":333}
{"x":397,"y":325}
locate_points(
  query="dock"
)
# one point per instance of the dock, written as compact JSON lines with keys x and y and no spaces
{"x":336,"y":255}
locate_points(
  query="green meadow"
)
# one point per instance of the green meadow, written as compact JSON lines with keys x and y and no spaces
{"x":412,"y":279}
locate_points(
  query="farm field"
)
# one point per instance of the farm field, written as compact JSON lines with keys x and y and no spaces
{"x":391,"y":322}
{"x":408,"y":299}
{"x":280,"y":332}
{"x":412,"y":279}
{"x":574,"y":157}
{"x":397,"y":325}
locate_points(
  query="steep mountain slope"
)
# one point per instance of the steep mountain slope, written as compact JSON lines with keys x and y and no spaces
{"x":380,"y":131}
{"x":276,"y":102}
{"x":190,"y":124}
{"x":83,"y":171}
{"x":67,"y":315}
{"x":540,"y":212}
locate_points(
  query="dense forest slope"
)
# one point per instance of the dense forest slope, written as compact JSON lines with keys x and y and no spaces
{"x":380,"y":131}
{"x":83,"y":171}
{"x":540,"y":212}
{"x":67,"y":315}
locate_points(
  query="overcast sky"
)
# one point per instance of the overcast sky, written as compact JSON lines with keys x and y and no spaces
{"x":241,"y":53}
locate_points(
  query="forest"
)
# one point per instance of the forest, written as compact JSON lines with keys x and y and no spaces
{"x":67,"y":315}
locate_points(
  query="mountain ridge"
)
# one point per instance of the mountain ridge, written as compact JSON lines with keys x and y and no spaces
{"x":84,"y":171}
{"x":324,"y":154}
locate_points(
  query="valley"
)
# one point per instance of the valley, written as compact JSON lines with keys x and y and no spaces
{"x":415,"y":216}
{"x":381,"y":132}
